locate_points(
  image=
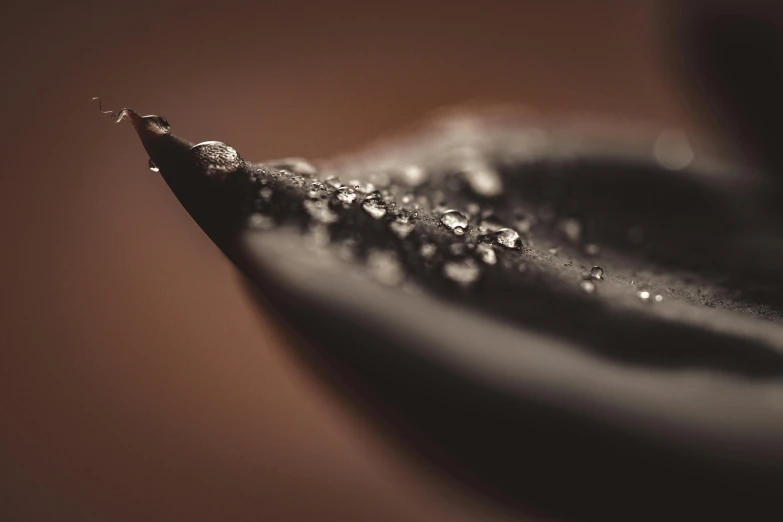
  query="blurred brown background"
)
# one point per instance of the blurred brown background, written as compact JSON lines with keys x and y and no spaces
{"x":137,"y":379}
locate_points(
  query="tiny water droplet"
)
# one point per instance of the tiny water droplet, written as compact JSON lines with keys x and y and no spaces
{"x":658,"y":298}
{"x":374,"y":207}
{"x":464,"y":272}
{"x":597,"y":272}
{"x":508,"y":238}
{"x":459,"y":231}
{"x":401,"y":227}
{"x":453,"y":219}
{"x":587,"y":286}
{"x":346,"y":196}
{"x":152,"y":166}
{"x":487,"y":253}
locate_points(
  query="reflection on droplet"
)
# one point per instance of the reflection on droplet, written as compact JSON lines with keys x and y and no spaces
{"x":644,"y":295}
{"x":152,"y":166}
{"x":401,"y":227}
{"x":587,"y":286}
{"x":508,"y":238}
{"x":672,"y":150}
{"x":216,"y":159}
{"x":374,"y":207}
{"x":597,"y":272}
{"x":464,"y":272}
{"x":487,"y":253}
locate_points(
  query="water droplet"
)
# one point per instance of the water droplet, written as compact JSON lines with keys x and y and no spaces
{"x":487,"y":253}
{"x":459,"y":231}
{"x":644,"y":295}
{"x":374,"y":207}
{"x":464,"y":272}
{"x":597,"y":272}
{"x":587,"y":286}
{"x":591,"y":249}
{"x":658,"y":298}
{"x":484,"y":181}
{"x":672,"y":150}
{"x":454,"y":219}
{"x":428,"y":250}
{"x":385,"y":268}
{"x":152,"y":166}
{"x":216,"y":159}
{"x":320,"y":211}
{"x":401,"y":227}
{"x":508,"y":238}
{"x":346,"y":196}
{"x":571,"y":229}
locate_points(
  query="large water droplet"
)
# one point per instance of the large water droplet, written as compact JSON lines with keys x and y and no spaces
{"x":401,"y":227}
{"x":453,"y":219}
{"x":597,"y":272}
{"x":487,"y":253}
{"x":464,"y":272}
{"x":216,"y":159}
{"x":374,"y":207}
{"x":152,"y":166}
{"x":508,"y":238}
